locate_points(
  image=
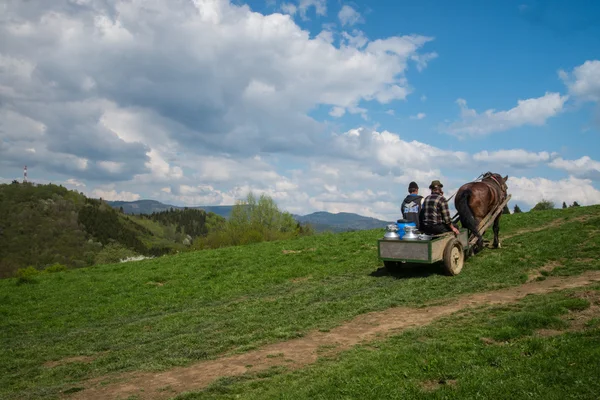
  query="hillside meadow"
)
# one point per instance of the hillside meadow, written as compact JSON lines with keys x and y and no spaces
{"x":152,"y":315}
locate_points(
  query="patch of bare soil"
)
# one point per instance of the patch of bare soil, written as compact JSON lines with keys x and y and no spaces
{"x":431,"y":386}
{"x":297,"y":251}
{"x":303,"y":351}
{"x":577,"y":320}
{"x":539,"y":272}
{"x":490,"y":341}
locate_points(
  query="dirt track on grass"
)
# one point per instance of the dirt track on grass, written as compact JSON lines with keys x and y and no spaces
{"x":300,"y":352}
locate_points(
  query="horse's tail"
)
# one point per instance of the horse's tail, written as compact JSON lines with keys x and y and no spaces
{"x":467,"y":218}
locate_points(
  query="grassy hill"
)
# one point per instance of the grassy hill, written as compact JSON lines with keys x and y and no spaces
{"x":64,"y":329}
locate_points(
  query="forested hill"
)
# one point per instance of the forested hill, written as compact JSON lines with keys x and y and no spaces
{"x":340,"y":222}
{"x":321,"y":221}
{"x":139,"y":207}
{"x":42,"y":225}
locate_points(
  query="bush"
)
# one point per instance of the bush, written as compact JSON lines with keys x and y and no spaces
{"x":113,"y":253}
{"x":26,"y":275}
{"x":543,"y":205}
{"x":55,"y":268}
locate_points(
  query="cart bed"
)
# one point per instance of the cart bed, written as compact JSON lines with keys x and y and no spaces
{"x":419,"y":251}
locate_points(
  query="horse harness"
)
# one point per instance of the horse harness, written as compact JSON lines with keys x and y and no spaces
{"x":502,"y":187}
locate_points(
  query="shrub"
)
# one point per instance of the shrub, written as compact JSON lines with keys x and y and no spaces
{"x":543,"y":205}
{"x":113,"y":253}
{"x":26,"y":275}
{"x":55,"y":268}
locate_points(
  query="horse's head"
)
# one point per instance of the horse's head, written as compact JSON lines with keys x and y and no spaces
{"x":498,"y":179}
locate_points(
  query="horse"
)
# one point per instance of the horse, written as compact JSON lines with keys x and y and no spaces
{"x":475,"y":200}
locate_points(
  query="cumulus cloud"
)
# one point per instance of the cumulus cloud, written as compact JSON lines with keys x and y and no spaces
{"x":530,"y":191}
{"x":116,"y":90}
{"x":527,"y":112}
{"x":584,"y":83}
{"x":583,"y":167}
{"x":349,"y":16}
{"x":113,"y":195}
{"x":516,"y":158}
{"x":337,"y":112}
{"x":289,"y":8}
{"x":389,"y":151}
{"x":584,"y":80}
{"x":320,"y":7}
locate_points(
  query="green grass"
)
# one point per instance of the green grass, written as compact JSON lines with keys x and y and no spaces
{"x":155,"y":314}
{"x":453,"y":358}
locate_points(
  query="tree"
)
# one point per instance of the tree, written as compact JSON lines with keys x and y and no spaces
{"x":517,"y":210}
{"x":543,"y":206}
{"x":575,"y":204}
{"x":253,"y":220}
{"x":564,"y":205}
{"x":506,"y":210}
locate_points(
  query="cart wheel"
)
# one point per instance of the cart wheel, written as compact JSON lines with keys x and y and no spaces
{"x":454,"y":257}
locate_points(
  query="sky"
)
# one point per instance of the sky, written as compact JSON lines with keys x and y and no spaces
{"x":323,"y":105}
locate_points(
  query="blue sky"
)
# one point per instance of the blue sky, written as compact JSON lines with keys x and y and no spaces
{"x":323,"y":105}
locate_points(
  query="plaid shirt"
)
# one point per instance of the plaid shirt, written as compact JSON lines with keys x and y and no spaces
{"x":435,"y":210}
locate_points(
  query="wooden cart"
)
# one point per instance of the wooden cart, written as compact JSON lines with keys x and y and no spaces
{"x":446,"y":247}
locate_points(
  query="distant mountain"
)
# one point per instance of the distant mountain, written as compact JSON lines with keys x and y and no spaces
{"x":321,"y":221}
{"x":340,"y":222}
{"x":150,"y":206}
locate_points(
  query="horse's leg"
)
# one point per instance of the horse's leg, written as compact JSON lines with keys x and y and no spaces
{"x":496,"y":231}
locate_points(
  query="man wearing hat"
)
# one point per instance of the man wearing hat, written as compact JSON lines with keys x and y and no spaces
{"x":435,"y":216}
{"x":411,"y":206}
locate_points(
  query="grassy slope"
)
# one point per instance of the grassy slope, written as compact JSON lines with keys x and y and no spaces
{"x":155,"y":314}
{"x":492,"y":353}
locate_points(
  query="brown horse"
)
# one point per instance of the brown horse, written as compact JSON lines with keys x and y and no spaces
{"x":475,"y":200}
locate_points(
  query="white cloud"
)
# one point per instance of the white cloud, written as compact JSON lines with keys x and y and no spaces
{"x":113,"y":195}
{"x":533,"y":190}
{"x":289,"y":8}
{"x":584,"y":81}
{"x":319,"y":5}
{"x":418,"y":116}
{"x":390,"y":151}
{"x":516,"y":158}
{"x":349,"y":16}
{"x":337,"y":112}
{"x":356,"y":39}
{"x":200,"y":78}
{"x":423,"y":98}
{"x":527,"y":112}
{"x":423,"y":59}
{"x":583,"y":167}
{"x":75,"y":182}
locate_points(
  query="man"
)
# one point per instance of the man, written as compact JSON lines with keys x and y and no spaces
{"x":435,"y":215}
{"x":411,"y":206}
